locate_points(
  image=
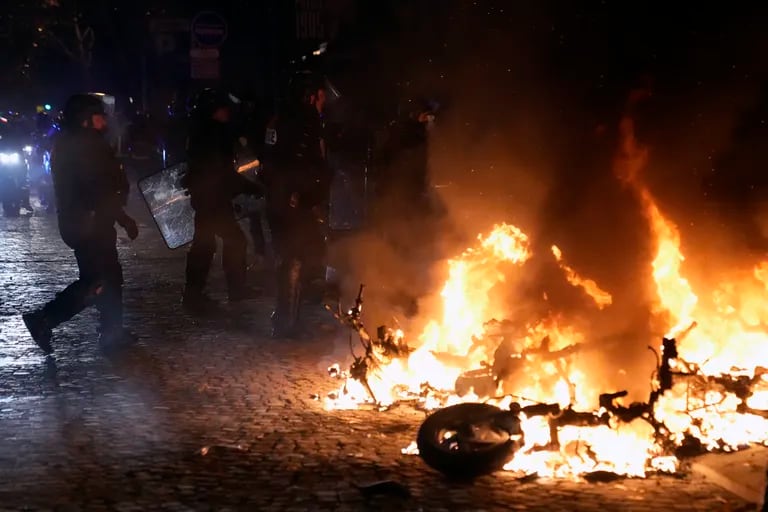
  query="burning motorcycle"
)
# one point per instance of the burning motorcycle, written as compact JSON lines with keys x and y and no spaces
{"x":473,"y":439}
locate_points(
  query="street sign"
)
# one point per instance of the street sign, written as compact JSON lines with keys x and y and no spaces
{"x":204,"y":68}
{"x":204,"y":53}
{"x":209,"y":30}
{"x":309,"y":19}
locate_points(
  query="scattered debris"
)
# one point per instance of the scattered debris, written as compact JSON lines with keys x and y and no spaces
{"x":603,"y":477}
{"x":205,"y":450}
{"x":384,"y":487}
{"x":387,"y":345}
{"x":530,"y":477}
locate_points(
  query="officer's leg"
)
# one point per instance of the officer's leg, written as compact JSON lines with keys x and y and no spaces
{"x":201,"y":253}
{"x":80,"y":294}
{"x":70,"y":301}
{"x":285,"y":318}
{"x":257,"y":234}
{"x":110,"y":298}
{"x":315,"y":263}
{"x":233,"y":257}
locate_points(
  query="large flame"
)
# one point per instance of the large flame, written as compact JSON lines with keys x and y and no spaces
{"x":590,"y":287}
{"x":728,"y":338}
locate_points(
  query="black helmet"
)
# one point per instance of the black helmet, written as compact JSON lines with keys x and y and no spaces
{"x":208,"y":101}
{"x":81,"y":107}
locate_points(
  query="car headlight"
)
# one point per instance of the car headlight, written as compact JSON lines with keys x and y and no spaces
{"x":10,"y":159}
{"x":28,"y":150}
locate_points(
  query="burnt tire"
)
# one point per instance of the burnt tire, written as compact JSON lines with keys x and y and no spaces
{"x":460,"y":464}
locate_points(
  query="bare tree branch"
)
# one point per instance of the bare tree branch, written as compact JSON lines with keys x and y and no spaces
{"x":63,"y":47}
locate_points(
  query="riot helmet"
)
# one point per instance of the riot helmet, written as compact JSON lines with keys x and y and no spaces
{"x":80,"y":108}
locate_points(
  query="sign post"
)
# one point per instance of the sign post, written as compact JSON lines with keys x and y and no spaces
{"x":207,"y":33}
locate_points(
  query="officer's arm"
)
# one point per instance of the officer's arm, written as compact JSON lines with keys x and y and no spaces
{"x":243,"y":185}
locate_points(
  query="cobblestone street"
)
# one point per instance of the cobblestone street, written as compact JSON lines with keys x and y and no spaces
{"x":217,"y":416}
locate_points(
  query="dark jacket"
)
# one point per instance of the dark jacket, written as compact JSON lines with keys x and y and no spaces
{"x":90,"y":185}
{"x":294,"y":162}
{"x":211,"y":178}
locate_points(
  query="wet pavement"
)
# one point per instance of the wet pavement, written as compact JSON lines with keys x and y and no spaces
{"x":214,"y":415}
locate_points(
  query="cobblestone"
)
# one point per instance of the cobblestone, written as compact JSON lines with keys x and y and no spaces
{"x":82,"y":431}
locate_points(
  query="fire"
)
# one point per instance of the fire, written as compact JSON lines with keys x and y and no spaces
{"x":727,"y":338}
{"x":467,"y":306}
{"x":720,"y":340}
{"x":591,"y":288}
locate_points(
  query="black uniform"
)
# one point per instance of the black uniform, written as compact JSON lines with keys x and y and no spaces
{"x":213,"y":182}
{"x":299,"y":185}
{"x":91,"y":190}
{"x":403,"y":186}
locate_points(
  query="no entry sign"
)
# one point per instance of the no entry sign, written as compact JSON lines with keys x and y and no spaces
{"x":209,"y":29}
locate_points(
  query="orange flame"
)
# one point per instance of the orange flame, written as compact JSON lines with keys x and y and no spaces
{"x":591,"y":288}
{"x":731,"y":331}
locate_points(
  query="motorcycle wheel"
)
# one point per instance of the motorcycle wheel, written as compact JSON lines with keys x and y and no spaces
{"x":462,"y":462}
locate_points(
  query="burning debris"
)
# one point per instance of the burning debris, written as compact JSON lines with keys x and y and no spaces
{"x":547,"y":439}
{"x":544,"y":411}
{"x":688,"y":411}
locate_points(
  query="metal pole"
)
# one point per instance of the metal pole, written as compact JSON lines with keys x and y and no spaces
{"x":144,"y":85}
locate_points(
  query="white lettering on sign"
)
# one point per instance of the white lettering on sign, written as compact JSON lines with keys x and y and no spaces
{"x":309,"y":19}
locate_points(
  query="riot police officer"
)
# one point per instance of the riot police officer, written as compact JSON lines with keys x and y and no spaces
{"x":91,"y":191}
{"x":213,"y":182}
{"x":299,"y":185}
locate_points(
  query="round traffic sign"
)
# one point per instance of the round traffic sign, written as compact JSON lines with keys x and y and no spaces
{"x":209,"y":29}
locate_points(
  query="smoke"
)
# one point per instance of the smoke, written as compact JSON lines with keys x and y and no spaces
{"x":528,"y":135}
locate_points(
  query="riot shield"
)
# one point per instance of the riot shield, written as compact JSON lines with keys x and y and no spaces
{"x":172,"y":211}
{"x":348,"y":194}
{"x":169,"y":205}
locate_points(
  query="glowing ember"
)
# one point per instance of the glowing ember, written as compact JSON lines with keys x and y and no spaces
{"x":720,"y":401}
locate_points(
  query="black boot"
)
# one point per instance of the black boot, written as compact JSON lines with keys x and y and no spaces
{"x":40,"y":329}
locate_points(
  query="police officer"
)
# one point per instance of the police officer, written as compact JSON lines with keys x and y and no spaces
{"x":213,"y":182}
{"x":91,"y":192}
{"x":299,"y":185}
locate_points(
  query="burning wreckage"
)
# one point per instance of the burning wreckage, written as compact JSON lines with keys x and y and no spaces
{"x":519,"y":401}
{"x":470,"y":439}
{"x":527,"y":411}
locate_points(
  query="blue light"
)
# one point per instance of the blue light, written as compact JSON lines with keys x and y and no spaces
{"x":47,"y":106}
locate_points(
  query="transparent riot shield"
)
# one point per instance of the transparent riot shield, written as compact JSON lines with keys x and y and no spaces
{"x":169,"y":205}
{"x":347,"y":206}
